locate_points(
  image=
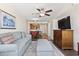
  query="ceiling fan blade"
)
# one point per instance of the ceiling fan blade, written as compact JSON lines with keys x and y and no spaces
{"x":48,"y":11}
{"x":39,"y":10}
{"x":47,"y":14}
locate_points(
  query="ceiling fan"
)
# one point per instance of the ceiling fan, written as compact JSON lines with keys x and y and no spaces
{"x":42,"y":12}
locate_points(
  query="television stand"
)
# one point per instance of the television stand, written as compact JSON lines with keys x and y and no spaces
{"x":63,"y":39}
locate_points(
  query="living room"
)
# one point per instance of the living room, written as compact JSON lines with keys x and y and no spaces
{"x":35,"y":19}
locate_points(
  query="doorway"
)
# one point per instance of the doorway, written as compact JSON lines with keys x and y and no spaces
{"x":38,"y":30}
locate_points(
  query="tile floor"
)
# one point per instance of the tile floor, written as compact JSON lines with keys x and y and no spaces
{"x":32,"y":50}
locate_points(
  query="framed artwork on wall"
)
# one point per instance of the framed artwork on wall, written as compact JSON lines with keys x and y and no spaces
{"x":7,"y":21}
{"x":34,"y":26}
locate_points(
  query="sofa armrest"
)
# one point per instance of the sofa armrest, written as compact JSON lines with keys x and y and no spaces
{"x":6,"y":48}
{"x":29,"y":35}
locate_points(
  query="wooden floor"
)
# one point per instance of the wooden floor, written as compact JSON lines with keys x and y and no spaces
{"x":68,"y":52}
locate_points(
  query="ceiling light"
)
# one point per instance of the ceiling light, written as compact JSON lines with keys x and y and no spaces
{"x":42,"y":14}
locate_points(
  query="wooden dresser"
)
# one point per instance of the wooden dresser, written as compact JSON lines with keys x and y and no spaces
{"x":63,"y":39}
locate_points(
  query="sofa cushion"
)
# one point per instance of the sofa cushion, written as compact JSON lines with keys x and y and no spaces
{"x":21,"y":43}
{"x":7,"y":39}
{"x":23,"y":34}
{"x":17,"y":35}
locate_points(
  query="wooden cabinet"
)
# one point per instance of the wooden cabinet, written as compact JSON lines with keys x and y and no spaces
{"x":63,"y":39}
{"x":78,"y":48}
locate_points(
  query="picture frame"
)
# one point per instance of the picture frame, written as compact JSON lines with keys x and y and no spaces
{"x":34,"y":26}
{"x":7,"y":21}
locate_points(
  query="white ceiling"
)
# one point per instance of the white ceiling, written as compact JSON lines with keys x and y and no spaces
{"x":26,"y":9}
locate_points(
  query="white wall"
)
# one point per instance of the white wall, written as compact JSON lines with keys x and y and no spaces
{"x":74,"y":16}
{"x":54,"y":26}
{"x":20,"y":22}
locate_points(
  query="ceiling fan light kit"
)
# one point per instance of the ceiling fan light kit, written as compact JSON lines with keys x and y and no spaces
{"x":43,"y":12}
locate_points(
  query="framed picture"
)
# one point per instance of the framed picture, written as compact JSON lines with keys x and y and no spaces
{"x":7,"y":21}
{"x":34,"y":26}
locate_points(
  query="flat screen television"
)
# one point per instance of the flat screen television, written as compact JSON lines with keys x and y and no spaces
{"x":64,"y":23}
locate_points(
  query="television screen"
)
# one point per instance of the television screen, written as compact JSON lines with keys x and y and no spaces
{"x":64,"y":23}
